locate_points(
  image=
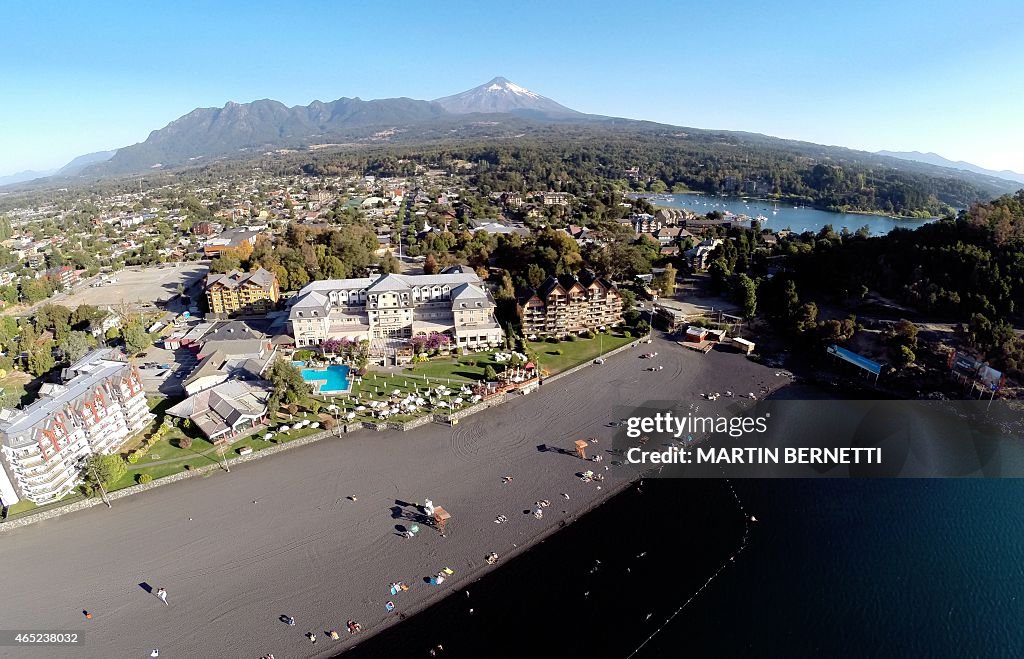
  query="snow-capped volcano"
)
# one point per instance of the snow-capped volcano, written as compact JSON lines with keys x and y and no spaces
{"x":501,"y":95}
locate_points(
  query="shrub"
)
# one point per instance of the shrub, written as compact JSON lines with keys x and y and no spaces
{"x":571,"y":337}
{"x":185,"y":442}
{"x":552,"y":339}
{"x":588,"y":335}
{"x":132,"y":458}
{"x":142,"y":479}
{"x":627,"y":334}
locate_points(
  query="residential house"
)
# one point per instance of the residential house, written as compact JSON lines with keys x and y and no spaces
{"x":700,"y":256}
{"x":230,"y":239}
{"x":64,"y":275}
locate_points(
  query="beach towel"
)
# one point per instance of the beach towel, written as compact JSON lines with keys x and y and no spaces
{"x":394,"y":590}
{"x":448,"y":571}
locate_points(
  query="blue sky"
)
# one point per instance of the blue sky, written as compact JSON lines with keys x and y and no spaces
{"x":943,"y":76}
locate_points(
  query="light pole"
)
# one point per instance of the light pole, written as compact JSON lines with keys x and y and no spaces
{"x":223,"y":450}
{"x":92,"y":470}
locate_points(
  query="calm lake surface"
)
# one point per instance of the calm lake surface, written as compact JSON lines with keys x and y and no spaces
{"x":780,"y":216}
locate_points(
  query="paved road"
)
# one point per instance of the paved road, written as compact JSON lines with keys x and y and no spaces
{"x":304,"y":549}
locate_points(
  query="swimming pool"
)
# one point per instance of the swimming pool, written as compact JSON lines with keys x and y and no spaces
{"x":330,"y":380}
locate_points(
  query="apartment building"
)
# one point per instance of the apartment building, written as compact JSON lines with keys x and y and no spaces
{"x":242,"y":292}
{"x":560,"y":308}
{"x":399,"y":307}
{"x":99,"y":406}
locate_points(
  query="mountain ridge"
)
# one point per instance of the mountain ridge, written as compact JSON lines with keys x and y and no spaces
{"x":932,"y":158}
{"x":497,"y":110}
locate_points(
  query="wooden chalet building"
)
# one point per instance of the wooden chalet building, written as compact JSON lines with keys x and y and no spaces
{"x":570,"y":306}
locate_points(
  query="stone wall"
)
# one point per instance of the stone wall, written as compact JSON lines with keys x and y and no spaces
{"x":30,"y":518}
{"x":454,"y":417}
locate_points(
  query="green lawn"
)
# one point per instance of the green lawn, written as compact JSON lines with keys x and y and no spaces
{"x":167,"y":448}
{"x":26,"y":507}
{"x":21,"y":507}
{"x":575,"y":352}
{"x":450,"y":372}
{"x":469,"y":368}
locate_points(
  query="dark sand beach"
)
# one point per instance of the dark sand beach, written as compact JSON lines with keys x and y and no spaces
{"x":281,"y":537}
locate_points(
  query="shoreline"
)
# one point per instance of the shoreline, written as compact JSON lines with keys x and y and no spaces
{"x":440,"y":596}
{"x":649,"y":196}
{"x":562,"y":561}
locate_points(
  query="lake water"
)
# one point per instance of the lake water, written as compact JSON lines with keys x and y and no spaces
{"x":780,"y":216}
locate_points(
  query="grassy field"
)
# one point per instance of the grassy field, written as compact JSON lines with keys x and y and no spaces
{"x":16,"y":386}
{"x":574,"y":353}
{"x":464,"y":369}
{"x":26,"y":507}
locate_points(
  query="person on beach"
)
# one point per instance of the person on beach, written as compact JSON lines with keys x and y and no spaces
{"x":290,"y":621}
{"x":162,"y":594}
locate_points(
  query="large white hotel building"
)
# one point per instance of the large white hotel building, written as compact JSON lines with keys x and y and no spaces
{"x":393,"y":306}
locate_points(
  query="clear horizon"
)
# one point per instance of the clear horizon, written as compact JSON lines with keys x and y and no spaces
{"x":905,"y":76}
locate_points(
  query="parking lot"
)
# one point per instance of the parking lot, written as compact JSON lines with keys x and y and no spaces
{"x":138,"y":285}
{"x":165,"y":381}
